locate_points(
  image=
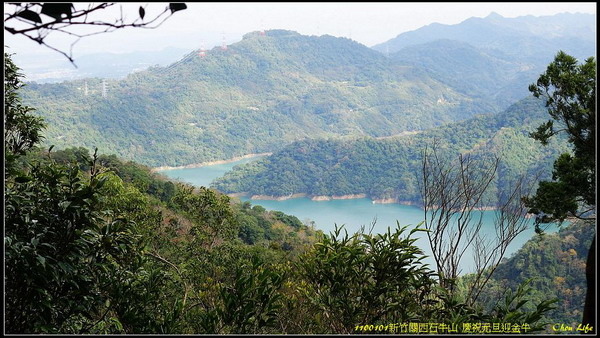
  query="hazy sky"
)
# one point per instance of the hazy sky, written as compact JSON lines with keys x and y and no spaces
{"x":368,"y":23}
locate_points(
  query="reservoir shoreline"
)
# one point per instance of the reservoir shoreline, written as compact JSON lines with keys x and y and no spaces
{"x":322,"y":198}
{"x":210,"y":175}
{"x":209,"y":163}
{"x":353,"y":213}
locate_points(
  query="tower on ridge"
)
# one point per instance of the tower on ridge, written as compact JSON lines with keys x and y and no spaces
{"x":223,"y":45}
{"x":202,"y":52}
{"x":104,"y":89}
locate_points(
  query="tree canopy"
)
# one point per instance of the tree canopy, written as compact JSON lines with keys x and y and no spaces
{"x":569,"y":89}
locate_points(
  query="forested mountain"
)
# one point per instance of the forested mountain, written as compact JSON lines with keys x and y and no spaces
{"x":493,"y":57}
{"x":535,"y":39}
{"x":131,"y":253}
{"x":98,"y":245}
{"x":256,"y":96}
{"x":272,"y":89}
{"x":387,"y":168}
{"x":95,"y":244}
{"x":489,"y":75}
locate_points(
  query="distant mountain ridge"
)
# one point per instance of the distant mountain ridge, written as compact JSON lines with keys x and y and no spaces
{"x":493,"y":58}
{"x":525,"y":36}
{"x":472,"y":71}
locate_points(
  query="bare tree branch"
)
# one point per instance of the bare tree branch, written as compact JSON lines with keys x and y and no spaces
{"x":64,"y":16}
{"x":509,"y":223}
{"x":453,"y":195}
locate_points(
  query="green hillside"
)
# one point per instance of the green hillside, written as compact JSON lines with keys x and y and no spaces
{"x":260,"y":94}
{"x":555,"y":264}
{"x":387,"y":168}
{"x":481,"y":73}
{"x":269,"y":90}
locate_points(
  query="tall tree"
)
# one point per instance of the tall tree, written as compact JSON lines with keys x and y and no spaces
{"x":569,"y":89}
{"x":22,"y":130}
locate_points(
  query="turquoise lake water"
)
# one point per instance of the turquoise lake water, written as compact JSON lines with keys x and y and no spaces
{"x":203,"y":176}
{"x":353,"y":214}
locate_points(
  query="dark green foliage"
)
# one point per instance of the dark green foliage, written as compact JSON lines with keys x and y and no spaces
{"x":289,"y":220}
{"x":569,"y":90}
{"x":22,"y":130}
{"x":507,"y":307}
{"x":74,"y":258}
{"x":347,"y":281}
{"x":52,"y":229}
{"x":366,"y":278}
{"x":140,"y":176}
{"x":76,"y":156}
{"x":83,"y":251}
{"x":52,"y":234}
{"x":250,"y":304}
{"x":258,"y":226}
{"x":137,"y":174}
{"x":87,"y":257}
{"x":511,"y":310}
{"x":66,"y":252}
{"x":558,"y":198}
{"x":210,"y":212}
{"x":252,"y":228}
{"x":118,"y":250}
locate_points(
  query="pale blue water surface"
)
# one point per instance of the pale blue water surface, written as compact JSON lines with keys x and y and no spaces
{"x":352,"y":213}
